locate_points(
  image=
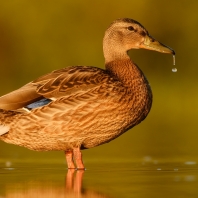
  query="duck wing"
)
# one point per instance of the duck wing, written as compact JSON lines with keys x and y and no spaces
{"x":19,"y":98}
{"x":57,"y":84}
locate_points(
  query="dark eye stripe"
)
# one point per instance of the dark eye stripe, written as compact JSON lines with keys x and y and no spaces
{"x":143,"y":33}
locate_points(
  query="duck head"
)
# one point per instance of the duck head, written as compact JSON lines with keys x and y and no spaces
{"x":126,"y":34}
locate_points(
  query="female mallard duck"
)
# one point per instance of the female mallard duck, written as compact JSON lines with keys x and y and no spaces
{"x":81,"y":107}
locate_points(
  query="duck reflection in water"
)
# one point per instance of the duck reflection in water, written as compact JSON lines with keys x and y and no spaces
{"x":74,"y":181}
{"x":45,"y":187}
{"x":74,"y":187}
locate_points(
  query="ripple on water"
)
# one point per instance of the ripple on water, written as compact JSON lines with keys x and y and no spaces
{"x":190,"y":163}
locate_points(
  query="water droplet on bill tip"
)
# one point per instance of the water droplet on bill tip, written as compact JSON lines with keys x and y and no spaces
{"x":174,"y":69}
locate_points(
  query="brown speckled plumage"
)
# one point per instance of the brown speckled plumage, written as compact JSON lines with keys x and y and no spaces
{"x":89,"y":106}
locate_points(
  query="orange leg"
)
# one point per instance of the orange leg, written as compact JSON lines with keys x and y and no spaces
{"x":69,"y":159}
{"x":78,"y":158}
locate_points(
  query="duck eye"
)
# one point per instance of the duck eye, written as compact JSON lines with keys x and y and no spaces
{"x":130,"y":28}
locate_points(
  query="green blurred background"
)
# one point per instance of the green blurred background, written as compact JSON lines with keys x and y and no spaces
{"x":39,"y":36}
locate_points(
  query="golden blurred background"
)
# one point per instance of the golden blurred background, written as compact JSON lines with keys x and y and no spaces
{"x":39,"y":36}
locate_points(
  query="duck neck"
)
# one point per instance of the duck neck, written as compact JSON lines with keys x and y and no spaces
{"x":126,"y":71}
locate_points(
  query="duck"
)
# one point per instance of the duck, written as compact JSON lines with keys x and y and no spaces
{"x":81,"y":107}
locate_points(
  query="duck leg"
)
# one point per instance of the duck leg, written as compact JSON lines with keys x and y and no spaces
{"x":69,"y":159}
{"x":78,"y":158}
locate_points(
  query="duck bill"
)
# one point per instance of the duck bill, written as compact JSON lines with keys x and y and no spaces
{"x":152,"y":44}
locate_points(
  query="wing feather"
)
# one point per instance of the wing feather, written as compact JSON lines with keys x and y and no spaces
{"x":59,"y":83}
{"x":19,"y":98}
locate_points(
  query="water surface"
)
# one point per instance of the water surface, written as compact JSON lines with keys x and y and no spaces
{"x":146,"y":178}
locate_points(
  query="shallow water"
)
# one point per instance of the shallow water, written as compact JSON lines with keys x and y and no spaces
{"x":146,"y":178}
